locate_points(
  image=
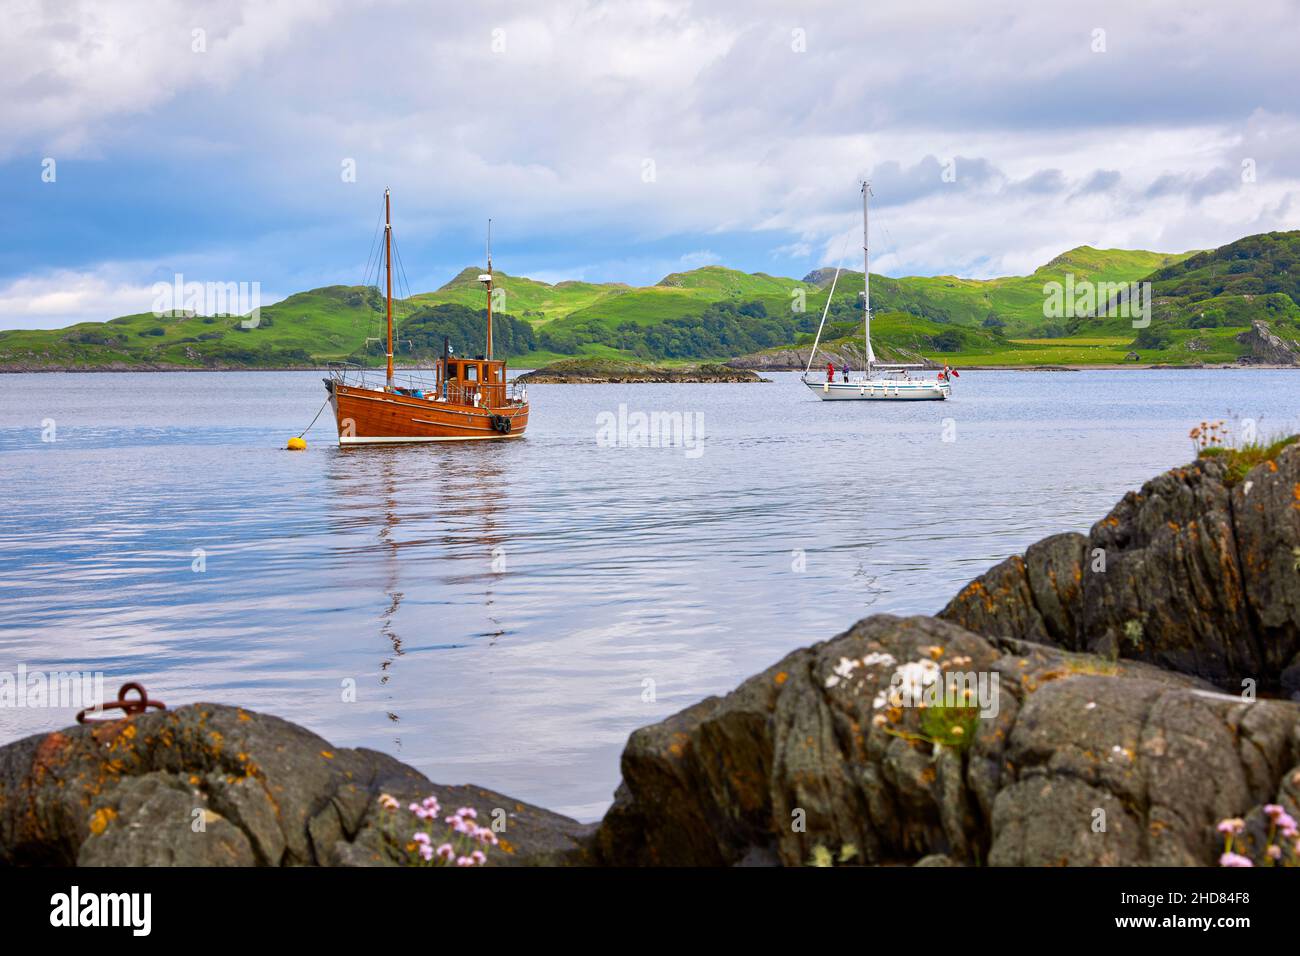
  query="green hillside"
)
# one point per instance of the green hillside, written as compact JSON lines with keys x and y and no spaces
{"x":1201,"y":302}
{"x":320,"y":325}
{"x":1015,"y":301}
{"x":533,"y":301}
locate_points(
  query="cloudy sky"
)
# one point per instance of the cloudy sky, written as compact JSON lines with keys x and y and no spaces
{"x":623,"y":140}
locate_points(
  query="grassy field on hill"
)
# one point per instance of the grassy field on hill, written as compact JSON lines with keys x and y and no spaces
{"x":535,"y":302}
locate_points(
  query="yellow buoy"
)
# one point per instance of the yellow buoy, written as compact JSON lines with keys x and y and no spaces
{"x":297,"y":444}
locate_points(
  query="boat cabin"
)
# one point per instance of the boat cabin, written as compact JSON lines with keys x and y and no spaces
{"x":461,"y":380}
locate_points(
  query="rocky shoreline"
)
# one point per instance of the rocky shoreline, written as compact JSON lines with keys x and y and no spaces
{"x":608,"y":372}
{"x":1141,"y":675}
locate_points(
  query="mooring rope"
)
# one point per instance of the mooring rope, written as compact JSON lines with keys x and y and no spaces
{"x":313,"y":421}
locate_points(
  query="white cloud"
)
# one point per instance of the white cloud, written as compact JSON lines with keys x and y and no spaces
{"x":63,"y":297}
{"x":57,"y":298}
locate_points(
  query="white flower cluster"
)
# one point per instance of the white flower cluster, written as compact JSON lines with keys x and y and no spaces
{"x":908,"y":684}
{"x":843,"y":671}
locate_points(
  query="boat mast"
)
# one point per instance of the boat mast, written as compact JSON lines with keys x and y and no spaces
{"x":866,"y":280}
{"x":489,"y":290}
{"x":388,"y":268}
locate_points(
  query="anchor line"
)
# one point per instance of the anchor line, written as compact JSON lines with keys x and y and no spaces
{"x":317,"y":415}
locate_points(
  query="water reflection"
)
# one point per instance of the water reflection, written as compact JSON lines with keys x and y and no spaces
{"x":433,"y":516}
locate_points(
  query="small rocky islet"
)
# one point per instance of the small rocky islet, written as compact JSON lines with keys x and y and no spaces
{"x":1148,"y":677}
{"x":620,"y":372}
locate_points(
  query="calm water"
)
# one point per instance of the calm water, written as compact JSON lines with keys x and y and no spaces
{"x":504,"y":607}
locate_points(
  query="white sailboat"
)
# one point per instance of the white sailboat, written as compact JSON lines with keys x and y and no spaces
{"x":881,"y":381}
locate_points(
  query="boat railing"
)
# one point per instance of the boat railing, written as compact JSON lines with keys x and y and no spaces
{"x":348,"y":373}
{"x":365,"y":376}
{"x":486,"y":393}
{"x":425,"y":385}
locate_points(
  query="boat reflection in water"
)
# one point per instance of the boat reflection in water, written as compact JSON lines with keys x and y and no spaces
{"x":429,"y":518}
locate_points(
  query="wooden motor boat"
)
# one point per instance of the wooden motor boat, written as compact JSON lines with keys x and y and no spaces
{"x":466,"y":399}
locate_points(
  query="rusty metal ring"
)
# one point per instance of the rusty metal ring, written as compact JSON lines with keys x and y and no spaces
{"x":132,"y":706}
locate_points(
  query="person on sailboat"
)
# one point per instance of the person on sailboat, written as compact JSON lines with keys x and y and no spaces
{"x":845,"y":369}
{"x":830,"y":371}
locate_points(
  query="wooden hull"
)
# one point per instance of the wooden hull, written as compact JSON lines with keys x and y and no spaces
{"x":372,"y":417}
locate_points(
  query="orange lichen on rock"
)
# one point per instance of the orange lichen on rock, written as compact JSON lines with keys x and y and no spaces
{"x":101,"y":818}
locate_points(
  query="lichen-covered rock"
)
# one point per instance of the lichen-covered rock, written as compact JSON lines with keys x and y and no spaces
{"x":212,"y":785}
{"x":1191,"y":573}
{"x":1035,"y":597}
{"x":1108,"y":772}
{"x":1081,"y":761}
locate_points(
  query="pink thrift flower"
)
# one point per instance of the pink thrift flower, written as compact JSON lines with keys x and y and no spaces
{"x":1232,"y":825}
{"x":426,"y":851}
{"x":467,"y":812}
{"x":420,"y":836}
{"x":464,"y":861}
{"x":445,"y":852}
{"x":479,"y":857}
{"x":1234,"y":859}
{"x":1275,"y":853}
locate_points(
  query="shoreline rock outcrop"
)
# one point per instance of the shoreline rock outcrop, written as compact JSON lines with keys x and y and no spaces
{"x":1195,"y":572}
{"x":1085,"y":762}
{"x":212,"y":785}
{"x":1267,"y":347}
{"x":617,"y":372}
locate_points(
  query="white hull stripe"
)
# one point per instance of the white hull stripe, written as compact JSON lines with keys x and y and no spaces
{"x":357,"y":440}
{"x":910,"y":391}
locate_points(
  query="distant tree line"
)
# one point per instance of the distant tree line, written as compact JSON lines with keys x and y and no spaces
{"x":723,"y":330}
{"x":1256,"y":265}
{"x":421,"y":334}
